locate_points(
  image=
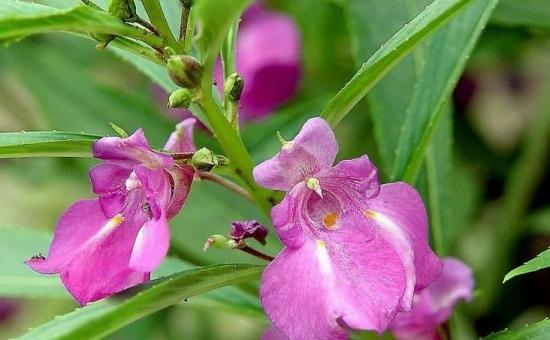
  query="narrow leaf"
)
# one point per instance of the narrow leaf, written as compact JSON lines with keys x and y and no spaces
{"x":435,"y":85}
{"x":104,"y":317}
{"x":46,"y":144}
{"x":536,"y":331}
{"x":542,"y":261}
{"x":393,"y":51}
{"x":215,"y":18}
{"x":19,"y":19}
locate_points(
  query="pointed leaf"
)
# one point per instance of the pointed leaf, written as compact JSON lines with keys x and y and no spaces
{"x":536,"y":331}
{"x":542,"y":261}
{"x":46,"y":144}
{"x":104,"y":317}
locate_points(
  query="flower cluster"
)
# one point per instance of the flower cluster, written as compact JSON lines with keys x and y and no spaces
{"x":104,"y":245}
{"x":356,"y":252}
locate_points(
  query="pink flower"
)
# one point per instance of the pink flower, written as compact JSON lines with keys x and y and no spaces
{"x":433,"y":305}
{"x":268,"y":58}
{"x":355,"y":251}
{"x":105,"y":245}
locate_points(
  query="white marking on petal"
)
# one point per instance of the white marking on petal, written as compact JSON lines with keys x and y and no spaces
{"x":132,"y":182}
{"x":314,"y":184}
{"x":397,"y":238}
{"x":107,"y":228}
{"x":323,"y":258}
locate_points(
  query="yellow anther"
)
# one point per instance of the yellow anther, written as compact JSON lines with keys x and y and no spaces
{"x":330,"y":219}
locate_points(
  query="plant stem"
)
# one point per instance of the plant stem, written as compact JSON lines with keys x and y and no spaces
{"x":232,"y":144}
{"x":189,"y":32}
{"x":184,"y":21}
{"x":524,"y":178}
{"x":157,"y":18}
{"x":256,"y":253}
{"x":138,"y":49}
{"x":225,"y":183}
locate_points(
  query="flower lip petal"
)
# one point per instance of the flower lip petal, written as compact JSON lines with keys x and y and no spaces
{"x":151,"y":245}
{"x":181,"y":140}
{"x":314,"y":149}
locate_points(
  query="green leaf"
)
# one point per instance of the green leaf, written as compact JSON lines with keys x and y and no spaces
{"x":46,"y":144}
{"x":215,"y":18}
{"x":19,"y":19}
{"x":16,"y":279}
{"x":542,"y":261}
{"x":536,"y":331}
{"x":393,"y":51}
{"x":104,"y":317}
{"x":529,"y":13}
{"x":435,"y":85}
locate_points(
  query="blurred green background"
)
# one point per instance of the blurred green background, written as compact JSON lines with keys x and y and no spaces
{"x":497,"y":208}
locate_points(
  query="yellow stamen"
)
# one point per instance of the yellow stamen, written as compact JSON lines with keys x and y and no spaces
{"x":330,"y":219}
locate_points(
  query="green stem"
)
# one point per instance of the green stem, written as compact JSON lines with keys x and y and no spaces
{"x":135,"y":48}
{"x":157,"y":18}
{"x":232,"y":144}
{"x":524,"y":178}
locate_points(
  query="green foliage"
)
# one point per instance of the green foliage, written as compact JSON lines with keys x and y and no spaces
{"x":393,"y":51}
{"x":46,"y":144}
{"x":535,"y":331}
{"x":527,"y":13}
{"x":542,"y":261}
{"x":20,"y":19}
{"x":215,"y":18}
{"x":99,"y":319}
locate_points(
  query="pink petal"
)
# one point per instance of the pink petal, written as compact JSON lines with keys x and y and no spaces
{"x":132,"y":150}
{"x":181,"y":140}
{"x":92,"y":253}
{"x":401,"y":204}
{"x":151,"y":246}
{"x":358,"y":177}
{"x":287,"y":216}
{"x":352,"y":278}
{"x":108,"y":181}
{"x":433,"y":305}
{"x":271,"y":333}
{"x":182,"y":178}
{"x":156,"y":184}
{"x":314,"y":149}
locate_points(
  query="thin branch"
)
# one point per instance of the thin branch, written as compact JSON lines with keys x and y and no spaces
{"x":226,"y":183}
{"x":256,"y":253}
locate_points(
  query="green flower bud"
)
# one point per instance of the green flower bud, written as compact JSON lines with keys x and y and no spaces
{"x":204,"y":160}
{"x":233,"y":87}
{"x":181,"y":98}
{"x":219,"y":242}
{"x":185,"y":71}
{"x":123,"y":9}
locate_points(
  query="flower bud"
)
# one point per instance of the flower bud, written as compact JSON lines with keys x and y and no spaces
{"x":241,"y":230}
{"x":181,"y":98}
{"x":123,"y":9}
{"x":185,"y":71}
{"x":219,"y":242}
{"x":204,"y":160}
{"x":233,"y":88}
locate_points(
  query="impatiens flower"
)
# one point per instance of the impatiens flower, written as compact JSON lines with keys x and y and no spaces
{"x":241,"y":230}
{"x":433,"y":305}
{"x":355,"y":251}
{"x":105,"y":245}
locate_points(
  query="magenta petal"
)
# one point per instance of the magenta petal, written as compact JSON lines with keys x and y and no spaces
{"x":286,"y":218}
{"x":151,"y":246}
{"x":156,"y":184}
{"x":271,"y":333}
{"x":402,"y":205}
{"x":181,"y":140}
{"x":92,"y":253}
{"x":75,"y":227}
{"x":133,"y":150}
{"x":182,"y":178}
{"x":358,"y":177}
{"x":351,"y":279}
{"x":314,"y":149}
{"x":433,"y":305}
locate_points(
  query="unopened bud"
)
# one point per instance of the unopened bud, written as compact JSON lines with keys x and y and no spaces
{"x":219,"y":242}
{"x":204,"y":160}
{"x":185,"y":71}
{"x":181,"y":98}
{"x":233,"y":87}
{"x":123,"y":9}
